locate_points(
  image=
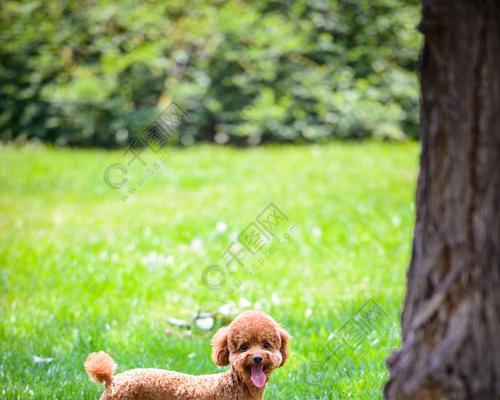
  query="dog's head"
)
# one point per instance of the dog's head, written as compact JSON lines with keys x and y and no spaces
{"x":254,"y":344}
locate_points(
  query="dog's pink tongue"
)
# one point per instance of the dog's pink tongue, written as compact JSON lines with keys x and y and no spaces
{"x":258,"y":377}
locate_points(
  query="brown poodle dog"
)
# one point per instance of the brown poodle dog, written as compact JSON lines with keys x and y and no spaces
{"x":254,"y":344}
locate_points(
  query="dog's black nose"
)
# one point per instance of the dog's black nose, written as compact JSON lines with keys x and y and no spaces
{"x":257,"y":359}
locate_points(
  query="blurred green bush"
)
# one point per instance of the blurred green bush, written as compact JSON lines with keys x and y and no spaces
{"x":95,"y":73}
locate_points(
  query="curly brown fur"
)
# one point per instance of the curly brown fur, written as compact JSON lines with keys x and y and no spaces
{"x":254,"y":344}
{"x":100,"y":368}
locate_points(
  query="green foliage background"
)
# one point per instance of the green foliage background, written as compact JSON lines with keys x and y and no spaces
{"x":94,"y":73}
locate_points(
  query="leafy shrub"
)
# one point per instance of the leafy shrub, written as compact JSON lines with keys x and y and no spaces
{"x":94,"y":73}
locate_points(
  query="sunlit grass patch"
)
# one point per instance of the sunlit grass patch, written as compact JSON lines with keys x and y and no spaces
{"x":84,"y":270}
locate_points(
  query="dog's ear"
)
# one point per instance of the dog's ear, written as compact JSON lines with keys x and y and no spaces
{"x":285,"y":338}
{"x":220,"y":350}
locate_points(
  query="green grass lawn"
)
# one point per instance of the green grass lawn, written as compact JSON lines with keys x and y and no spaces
{"x":82,"y":269}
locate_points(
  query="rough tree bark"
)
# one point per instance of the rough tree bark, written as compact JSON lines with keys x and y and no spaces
{"x":451,"y":317}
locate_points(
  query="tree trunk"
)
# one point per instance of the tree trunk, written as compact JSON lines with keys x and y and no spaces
{"x":451,"y":317}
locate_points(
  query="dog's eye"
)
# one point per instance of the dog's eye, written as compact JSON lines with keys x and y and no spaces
{"x":266,"y":345}
{"x":244,"y":347}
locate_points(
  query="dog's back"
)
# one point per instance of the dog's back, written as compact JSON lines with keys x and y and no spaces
{"x":148,"y":383}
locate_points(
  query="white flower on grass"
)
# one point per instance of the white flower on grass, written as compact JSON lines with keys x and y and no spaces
{"x":42,"y":360}
{"x":227,"y":310}
{"x":205,"y":323}
{"x":275,"y":299}
{"x":197,"y":246}
{"x":177,"y":322}
{"x":316,"y":232}
{"x":234,"y":236}
{"x":221,"y":227}
{"x":396,"y":221}
{"x":244,"y":303}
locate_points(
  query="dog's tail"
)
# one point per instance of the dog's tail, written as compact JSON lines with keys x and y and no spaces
{"x":100,"y":367}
